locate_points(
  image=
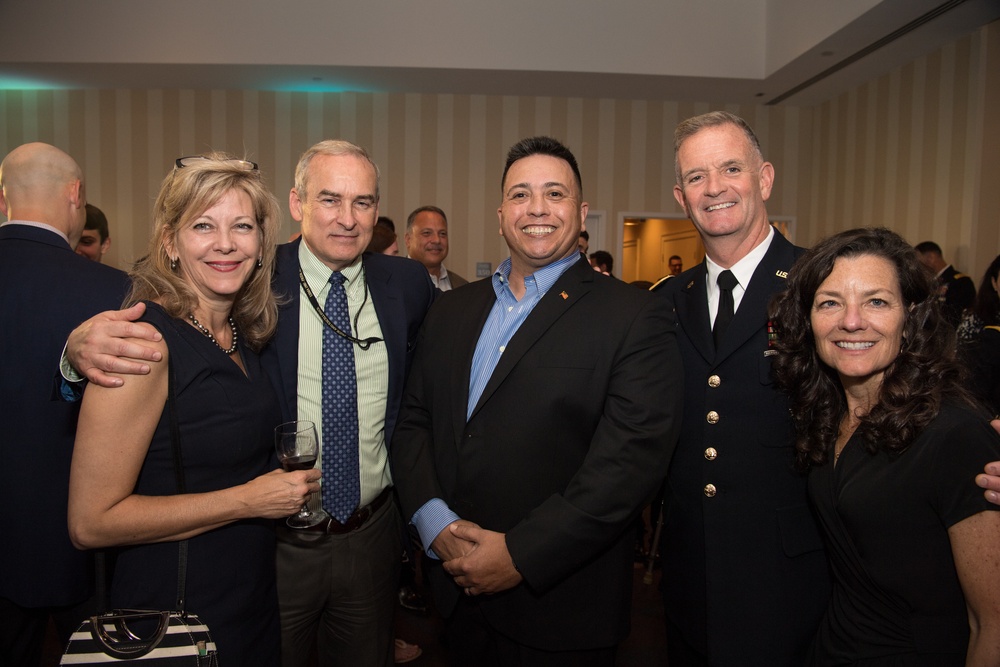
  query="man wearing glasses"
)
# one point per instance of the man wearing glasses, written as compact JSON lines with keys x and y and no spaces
{"x":346,"y":332}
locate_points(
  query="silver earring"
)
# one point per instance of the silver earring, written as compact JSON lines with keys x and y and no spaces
{"x":173,"y":264}
{"x":260,"y":263}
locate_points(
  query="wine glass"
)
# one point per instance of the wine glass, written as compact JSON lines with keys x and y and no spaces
{"x":297,"y":447}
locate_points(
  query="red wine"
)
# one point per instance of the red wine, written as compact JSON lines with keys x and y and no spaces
{"x":298,"y":463}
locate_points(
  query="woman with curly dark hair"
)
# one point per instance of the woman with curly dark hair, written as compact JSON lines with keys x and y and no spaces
{"x":892,"y":443}
{"x":979,"y":338}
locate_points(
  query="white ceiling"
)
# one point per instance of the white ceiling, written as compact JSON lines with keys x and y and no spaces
{"x":722,"y":51}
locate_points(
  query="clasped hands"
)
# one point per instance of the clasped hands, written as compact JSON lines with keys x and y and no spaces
{"x":476,"y":558}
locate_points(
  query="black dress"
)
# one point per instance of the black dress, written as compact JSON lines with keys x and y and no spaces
{"x":982,"y":356}
{"x":896,"y":597}
{"x":226,"y":422}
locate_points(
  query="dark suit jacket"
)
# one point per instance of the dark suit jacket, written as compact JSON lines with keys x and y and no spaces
{"x":45,"y":291}
{"x":744,"y":572}
{"x":571,"y":435}
{"x":402,"y":293}
{"x":456,"y":280}
{"x":959,"y":294}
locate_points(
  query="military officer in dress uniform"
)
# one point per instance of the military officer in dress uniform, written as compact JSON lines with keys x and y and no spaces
{"x":745,"y":576}
{"x":956,"y":291}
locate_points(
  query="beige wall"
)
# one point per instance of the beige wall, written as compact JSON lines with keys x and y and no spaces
{"x":909,"y":150}
{"x":912,"y":151}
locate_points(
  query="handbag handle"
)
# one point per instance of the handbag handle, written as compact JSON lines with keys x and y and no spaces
{"x":135,"y":646}
{"x":175,"y":441}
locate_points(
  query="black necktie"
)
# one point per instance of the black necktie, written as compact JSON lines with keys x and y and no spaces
{"x":726,"y":281}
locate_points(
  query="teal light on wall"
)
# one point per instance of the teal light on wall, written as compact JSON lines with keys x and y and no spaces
{"x":320,"y":85}
{"x":9,"y":82}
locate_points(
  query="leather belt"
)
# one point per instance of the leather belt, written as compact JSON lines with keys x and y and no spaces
{"x":361,"y":515}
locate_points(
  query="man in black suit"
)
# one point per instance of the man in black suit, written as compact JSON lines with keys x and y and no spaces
{"x":337,"y":583}
{"x":529,"y":439}
{"x":956,"y":291}
{"x":745,"y":577}
{"x":45,"y":290}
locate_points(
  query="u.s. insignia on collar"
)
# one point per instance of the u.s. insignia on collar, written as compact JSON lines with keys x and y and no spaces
{"x":690,"y":285}
{"x":781,"y":274}
{"x":564,"y":295}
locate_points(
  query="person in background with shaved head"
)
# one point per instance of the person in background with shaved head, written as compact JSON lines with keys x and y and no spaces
{"x":45,"y":290}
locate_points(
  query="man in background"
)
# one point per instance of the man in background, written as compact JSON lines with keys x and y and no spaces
{"x":956,"y":291}
{"x":45,"y":290}
{"x":676,"y":265}
{"x":95,"y":240}
{"x":426,"y":241}
{"x":603,"y":262}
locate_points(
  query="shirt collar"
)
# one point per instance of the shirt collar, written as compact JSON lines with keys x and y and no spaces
{"x":544,"y":278}
{"x":743,"y":269}
{"x":318,"y":274}
{"x":39,"y":225}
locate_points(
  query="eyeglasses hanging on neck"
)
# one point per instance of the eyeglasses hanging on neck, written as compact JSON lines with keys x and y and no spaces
{"x":365,"y":343}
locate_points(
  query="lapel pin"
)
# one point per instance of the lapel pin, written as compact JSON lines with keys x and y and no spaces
{"x":564,"y":295}
{"x":690,"y":285}
{"x":781,"y":274}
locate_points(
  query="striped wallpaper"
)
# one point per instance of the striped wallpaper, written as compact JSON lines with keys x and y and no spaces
{"x":905,"y":150}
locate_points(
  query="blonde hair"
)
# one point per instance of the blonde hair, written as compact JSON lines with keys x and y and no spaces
{"x":185,"y":194}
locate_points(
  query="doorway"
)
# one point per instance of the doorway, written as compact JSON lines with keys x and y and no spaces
{"x":648,"y":242}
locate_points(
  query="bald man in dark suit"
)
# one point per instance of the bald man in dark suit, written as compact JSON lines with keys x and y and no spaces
{"x":45,"y":290}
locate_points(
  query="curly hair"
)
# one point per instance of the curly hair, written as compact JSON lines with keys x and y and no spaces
{"x":914,"y":385}
{"x":185,"y":194}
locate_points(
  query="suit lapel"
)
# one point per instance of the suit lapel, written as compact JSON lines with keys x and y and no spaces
{"x":467,"y":332}
{"x":768,"y":278}
{"x":389,"y":310}
{"x":285,"y":345}
{"x":692,"y":311}
{"x":572,"y":286}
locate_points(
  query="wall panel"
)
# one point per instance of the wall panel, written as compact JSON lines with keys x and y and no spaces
{"x":904,"y":150}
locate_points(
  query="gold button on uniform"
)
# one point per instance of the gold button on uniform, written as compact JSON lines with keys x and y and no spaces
{"x":711,"y":454}
{"x":710,"y":490}
{"x":714,"y":381}
{"x":712,"y":417}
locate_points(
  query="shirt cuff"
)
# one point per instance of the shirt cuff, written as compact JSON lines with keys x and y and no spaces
{"x":68,"y":372}
{"x":432,"y":517}
{"x":70,"y":384}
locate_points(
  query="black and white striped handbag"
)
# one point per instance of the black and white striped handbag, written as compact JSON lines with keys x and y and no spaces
{"x":159,"y":638}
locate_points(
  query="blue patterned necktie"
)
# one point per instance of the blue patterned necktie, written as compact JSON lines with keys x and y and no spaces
{"x":341,"y":491}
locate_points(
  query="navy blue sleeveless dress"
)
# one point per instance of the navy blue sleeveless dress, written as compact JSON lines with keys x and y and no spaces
{"x":226,"y":422}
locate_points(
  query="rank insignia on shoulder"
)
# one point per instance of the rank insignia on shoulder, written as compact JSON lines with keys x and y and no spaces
{"x":781,"y":274}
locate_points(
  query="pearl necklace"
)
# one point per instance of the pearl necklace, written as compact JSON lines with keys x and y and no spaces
{"x":232,"y":325}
